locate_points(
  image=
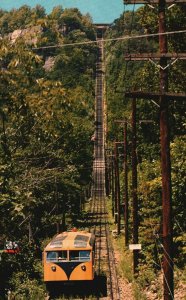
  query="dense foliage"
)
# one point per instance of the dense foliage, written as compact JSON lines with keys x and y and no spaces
{"x":45,"y":135}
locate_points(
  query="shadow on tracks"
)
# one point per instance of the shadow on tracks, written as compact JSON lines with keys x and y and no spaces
{"x":77,"y":290}
{"x":90,"y":220}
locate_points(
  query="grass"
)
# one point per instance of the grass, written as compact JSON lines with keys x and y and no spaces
{"x":138,"y":294}
{"x":125,"y":268}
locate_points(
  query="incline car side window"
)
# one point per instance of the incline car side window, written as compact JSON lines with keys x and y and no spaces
{"x":81,"y":255}
{"x":56,"y":255}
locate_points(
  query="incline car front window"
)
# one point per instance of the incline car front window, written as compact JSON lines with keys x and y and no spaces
{"x":81,"y":255}
{"x":56,"y":255}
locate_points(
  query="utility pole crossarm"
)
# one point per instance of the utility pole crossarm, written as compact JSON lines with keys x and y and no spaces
{"x":155,"y":96}
{"x":154,"y":56}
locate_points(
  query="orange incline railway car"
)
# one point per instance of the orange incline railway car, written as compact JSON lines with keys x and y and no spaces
{"x":69,"y":257}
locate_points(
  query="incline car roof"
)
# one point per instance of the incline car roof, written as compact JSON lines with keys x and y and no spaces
{"x":71,"y":240}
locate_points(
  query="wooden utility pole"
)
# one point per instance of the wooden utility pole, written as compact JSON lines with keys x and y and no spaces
{"x":115,"y":184}
{"x":109,"y":175}
{"x":57,"y":207}
{"x":125,"y":169}
{"x":117,"y":189}
{"x":165,"y":163}
{"x":134,"y":186}
{"x":107,"y":179}
{"x":111,"y":169}
{"x":126,"y":208}
{"x":112,"y":185}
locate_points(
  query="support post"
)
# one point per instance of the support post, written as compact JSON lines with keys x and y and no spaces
{"x":117,"y":188}
{"x":107,"y":176}
{"x":126,"y":213}
{"x":134,"y":186}
{"x":112,"y":185}
{"x":168,"y":284}
{"x":115,"y":184}
{"x":57,"y":207}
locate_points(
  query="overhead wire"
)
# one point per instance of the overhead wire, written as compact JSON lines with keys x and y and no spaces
{"x":157,"y":239}
{"x":158,"y":253}
{"x":122,"y":38}
{"x":172,"y":296}
{"x":169,"y":261}
{"x":161,"y":245}
{"x":179,"y":226}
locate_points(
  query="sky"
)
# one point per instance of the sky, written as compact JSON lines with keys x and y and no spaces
{"x":102,"y":11}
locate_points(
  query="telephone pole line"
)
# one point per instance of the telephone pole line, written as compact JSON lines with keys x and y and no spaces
{"x":168,"y":281}
{"x":125,"y":170}
{"x":134,"y":186}
{"x":165,"y":61}
{"x":126,"y":197}
{"x":117,"y":189}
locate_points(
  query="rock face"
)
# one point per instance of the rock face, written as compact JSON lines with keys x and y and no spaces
{"x":30,"y":35}
{"x":49,"y":62}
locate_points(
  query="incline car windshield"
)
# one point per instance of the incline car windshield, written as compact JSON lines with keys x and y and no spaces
{"x":56,"y":255}
{"x":81,"y":255}
{"x":74,"y":255}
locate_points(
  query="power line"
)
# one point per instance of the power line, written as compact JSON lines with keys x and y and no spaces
{"x":179,"y":225}
{"x":160,"y":264}
{"x":110,"y":40}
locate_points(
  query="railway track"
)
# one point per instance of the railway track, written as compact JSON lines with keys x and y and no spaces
{"x":105,"y":266}
{"x":98,"y":186}
{"x":105,"y":285}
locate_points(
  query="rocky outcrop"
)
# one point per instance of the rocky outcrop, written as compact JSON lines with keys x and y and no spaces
{"x":49,"y":63}
{"x":30,"y":35}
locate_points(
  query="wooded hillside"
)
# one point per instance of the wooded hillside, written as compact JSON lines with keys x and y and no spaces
{"x":46,"y":127}
{"x":47,"y":121}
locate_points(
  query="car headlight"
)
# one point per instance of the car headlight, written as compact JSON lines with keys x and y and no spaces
{"x":83,"y":268}
{"x":53,"y":268}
